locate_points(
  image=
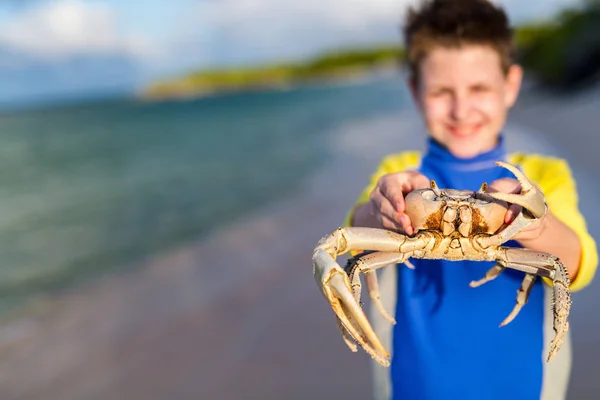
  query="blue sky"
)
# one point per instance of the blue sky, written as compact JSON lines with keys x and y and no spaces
{"x":69,"y":46}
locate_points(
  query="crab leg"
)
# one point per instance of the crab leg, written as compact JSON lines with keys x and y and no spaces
{"x":335,"y":284}
{"x":367,"y":263}
{"x":373,"y":286}
{"x":561,"y":306}
{"x":490,"y":275}
{"x":522,"y":293}
{"x":522,"y":297}
{"x":545,"y":265}
{"x":528,"y":261}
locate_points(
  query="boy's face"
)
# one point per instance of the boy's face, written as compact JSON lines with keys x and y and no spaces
{"x":464,"y":97}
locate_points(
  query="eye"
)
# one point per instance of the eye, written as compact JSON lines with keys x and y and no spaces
{"x":480,"y":88}
{"x":440,"y":92}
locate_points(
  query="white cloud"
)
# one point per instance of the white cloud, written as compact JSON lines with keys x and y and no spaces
{"x":248,"y":30}
{"x":520,"y":10}
{"x":341,"y":13}
{"x":213,"y":32}
{"x":273,"y":28}
{"x":66,"y":27}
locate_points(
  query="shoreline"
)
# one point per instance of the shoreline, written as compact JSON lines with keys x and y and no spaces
{"x":346,"y":76}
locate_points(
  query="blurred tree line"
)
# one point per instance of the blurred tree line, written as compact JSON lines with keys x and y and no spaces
{"x":561,"y":53}
{"x":334,"y":65}
{"x":564,"y":52}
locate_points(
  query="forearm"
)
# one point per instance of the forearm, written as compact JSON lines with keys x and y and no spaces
{"x":560,"y":241}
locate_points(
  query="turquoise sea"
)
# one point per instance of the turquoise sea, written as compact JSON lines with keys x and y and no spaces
{"x":96,"y":188}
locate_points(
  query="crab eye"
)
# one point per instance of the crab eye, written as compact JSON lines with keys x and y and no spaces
{"x":428,"y":195}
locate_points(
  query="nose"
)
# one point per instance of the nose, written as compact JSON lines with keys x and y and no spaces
{"x":461,"y":106}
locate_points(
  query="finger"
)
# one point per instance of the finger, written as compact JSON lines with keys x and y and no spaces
{"x":392,"y":192}
{"x":512,"y":213}
{"x":504,"y":185}
{"x":414,"y":181}
{"x":389,"y":223}
{"x":406,"y":224}
{"x":419,"y":181}
{"x":382,"y":206}
{"x":393,"y":219}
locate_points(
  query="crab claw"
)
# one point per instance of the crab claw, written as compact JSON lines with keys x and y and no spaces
{"x":530,"y":198}
{"x":335,"y":283}
{"x":335,"y":286}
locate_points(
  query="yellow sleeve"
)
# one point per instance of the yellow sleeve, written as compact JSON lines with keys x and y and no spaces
{"x":555,"y":179}
{"x":392,"y":163}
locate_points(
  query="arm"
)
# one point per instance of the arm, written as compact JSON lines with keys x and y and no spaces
{"x":562,"y":198}
{"x":554,"y":237}
{"x":563,"y":231}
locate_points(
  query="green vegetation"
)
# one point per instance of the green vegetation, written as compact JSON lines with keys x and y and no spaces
{"x":338,"y":65}
{"x":564,"y":51}
{"x":557,"y":52}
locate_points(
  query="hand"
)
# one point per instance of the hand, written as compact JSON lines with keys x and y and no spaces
{"x":533,"y":230}
{"x":386,"y":203}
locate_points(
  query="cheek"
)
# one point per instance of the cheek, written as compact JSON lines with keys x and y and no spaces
{"x":491,"y":105}
{"x":436,"y":109}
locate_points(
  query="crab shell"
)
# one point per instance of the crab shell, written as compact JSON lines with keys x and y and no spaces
{"x":429,"y":208}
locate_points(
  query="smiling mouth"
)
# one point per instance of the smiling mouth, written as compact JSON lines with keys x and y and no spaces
{"x":464,"y":131}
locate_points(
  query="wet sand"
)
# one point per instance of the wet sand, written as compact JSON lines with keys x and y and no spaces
{"x":238,"y":316}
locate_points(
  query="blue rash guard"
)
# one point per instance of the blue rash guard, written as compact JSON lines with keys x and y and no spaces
{"x":447,"y":341}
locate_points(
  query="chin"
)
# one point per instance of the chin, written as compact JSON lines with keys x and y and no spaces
{"x":463,"y":152}
{"x":470,"y":146}
{"x":467,"y":147}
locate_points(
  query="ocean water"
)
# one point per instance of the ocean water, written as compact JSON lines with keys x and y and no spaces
{"x":91,"y":189}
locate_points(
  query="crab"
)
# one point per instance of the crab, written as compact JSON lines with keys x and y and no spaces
{"x":449,"y":224}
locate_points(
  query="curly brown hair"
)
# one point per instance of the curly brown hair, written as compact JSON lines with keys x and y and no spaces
{"x":455,"y":23}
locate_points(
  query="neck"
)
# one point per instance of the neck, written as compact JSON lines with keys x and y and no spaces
{"x":439,"y":154}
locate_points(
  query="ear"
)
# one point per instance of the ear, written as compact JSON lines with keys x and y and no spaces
{"x":514,"y":78}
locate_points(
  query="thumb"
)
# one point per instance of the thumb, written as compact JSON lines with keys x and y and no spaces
{"x":419,"y":181}
{"x":512,"y":213}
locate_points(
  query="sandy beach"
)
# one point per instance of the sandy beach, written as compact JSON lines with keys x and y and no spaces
{"x":238,"y":315}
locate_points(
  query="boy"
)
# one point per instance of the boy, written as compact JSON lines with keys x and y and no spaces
{"x":446,"y":343}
